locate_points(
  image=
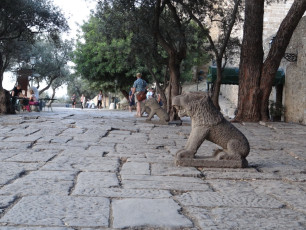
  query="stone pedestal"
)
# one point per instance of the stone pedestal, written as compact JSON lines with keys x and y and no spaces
{"x":210,"y":162}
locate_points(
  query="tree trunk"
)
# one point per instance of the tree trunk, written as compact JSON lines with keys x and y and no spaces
{"x":174,"y":70}
{"x":220,"y":54}
{"x":277,"y":52}
{"x":6,"y":106}
{"x":125,"y":94}
{"x":251,"y":61}
{"x":217,"y":85}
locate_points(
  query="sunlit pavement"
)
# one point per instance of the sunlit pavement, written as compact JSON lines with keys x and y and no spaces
{"x":106,"y":169}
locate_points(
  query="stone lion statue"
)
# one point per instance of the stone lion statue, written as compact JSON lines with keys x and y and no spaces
{"x":155,"y":108}
{"x":144,"y":108}
{"x":207,"y":123}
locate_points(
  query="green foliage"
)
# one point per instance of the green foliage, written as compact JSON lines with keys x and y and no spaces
{"x":103,"y":60}
{"x":196,"y":53}
{"x":23,"y":18}
{"x":118,"y":42}
{"x":81,"y":86}
{"x":51,"y":61}
{"x":20,"y":22}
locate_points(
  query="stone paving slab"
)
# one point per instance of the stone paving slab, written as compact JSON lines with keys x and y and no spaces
{"x":41,"y":183}
{"x":135,"y":168}
{"x":59,"y":211}
{"x":247,"y":218}
{"x":33,"y":156}
{"x":216,"y":199}
{"x":166,"y":169}
{"x":7,"y":154}
{"x":178,"y":179}
{"x":32,"y":228}
{"x":162,"y":213}
{"x":103,"y":169}
{"x":5,"y":202}
{"x":82,"y":163}
{"x":86,"y":181}
{"x":10,"y":171}
{"x":123,"y":193}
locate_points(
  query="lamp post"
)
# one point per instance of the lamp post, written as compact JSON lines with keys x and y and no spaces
{"x":115,"y":101}
{"x":32,"y":62}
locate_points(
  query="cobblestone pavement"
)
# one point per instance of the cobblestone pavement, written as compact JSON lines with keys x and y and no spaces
{"x":105,"y":169}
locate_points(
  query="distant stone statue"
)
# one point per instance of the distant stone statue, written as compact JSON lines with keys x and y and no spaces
{"x":156,"y":109}
{"x":144,"y":108}
{"x":207,"y":123}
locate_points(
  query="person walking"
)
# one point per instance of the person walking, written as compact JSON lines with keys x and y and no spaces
{"x":131,"y":100}
{"x":83,"y":101}
{"x":100,"y":96}
{"x":138,"y":86}
{"x":73,"y":99}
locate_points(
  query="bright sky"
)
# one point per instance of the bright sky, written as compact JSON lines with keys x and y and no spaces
{"x":76,"y":11}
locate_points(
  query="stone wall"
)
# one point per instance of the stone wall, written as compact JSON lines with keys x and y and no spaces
{"x":230,"y":92}
{"x":295,"y":86}
{"x":273,"y":16}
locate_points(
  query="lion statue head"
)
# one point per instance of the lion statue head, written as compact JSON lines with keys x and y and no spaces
{"x":199,"y":107}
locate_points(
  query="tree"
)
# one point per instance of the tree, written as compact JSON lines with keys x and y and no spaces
{"x":80,"y":85}
{"x":174,"y":44}
{"x":277,"y":52}
{"x":102,"y":59}
{"x":155,"y":24}
{"x":52,"y":58}
{"x":256,"y":77}
{"x":134,"y":26}
{"x":132,"y":23}
{"x":22,"y":20}
{"x":225,"y":15}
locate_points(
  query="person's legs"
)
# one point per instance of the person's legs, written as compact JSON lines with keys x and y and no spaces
{"x":137,"y":105}
{"x":138,"y":109}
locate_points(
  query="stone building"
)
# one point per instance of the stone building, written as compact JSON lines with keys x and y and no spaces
{"x":295,"y":85}
{"x":294,"y":98}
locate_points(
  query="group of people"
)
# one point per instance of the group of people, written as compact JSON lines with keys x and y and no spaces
{"x":32,"y":99}
{"x":140,"y":85}
{"x":88,"y":103}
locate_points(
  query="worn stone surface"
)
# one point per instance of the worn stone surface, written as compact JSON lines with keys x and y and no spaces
{"x":247,"y":218}
{"x":59,"y":211}
{"x":148,"y":212}
{"x":32,"y":228}
{"x":100,"y":169}
{"x":216,"y":199}
{"x":40,"y":183}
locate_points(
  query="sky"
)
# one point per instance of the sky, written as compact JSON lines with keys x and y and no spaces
{"x":75,"y":11}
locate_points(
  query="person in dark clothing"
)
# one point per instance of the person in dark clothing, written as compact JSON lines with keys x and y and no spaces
{"x":16,"y":92}
{"x":131,"y":100}
{"x":73,"y":99}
